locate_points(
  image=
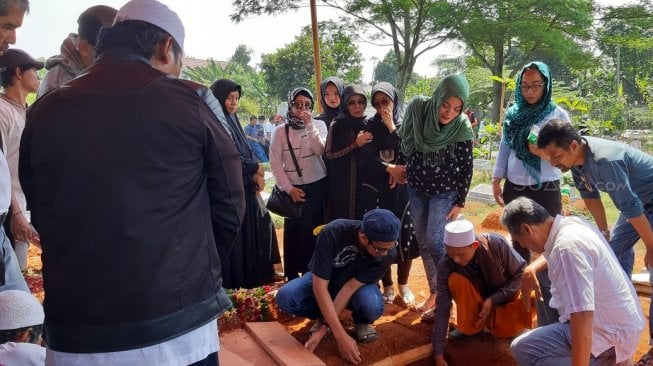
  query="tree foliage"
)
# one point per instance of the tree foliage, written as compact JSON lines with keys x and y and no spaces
{"x":292,"y":65}
{"x":410,"y":27}
{"x":255,"y":99}
{"x":626,"y":37}
{"x":494,"y":30}
{"x":242,"y":56}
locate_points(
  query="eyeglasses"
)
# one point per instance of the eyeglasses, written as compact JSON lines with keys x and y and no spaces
{"x":378,"y":103}
{"x":383,"y":250}
{"x":300,"y":105}
{"x":356,"y":101}
{"x":534,"y":86}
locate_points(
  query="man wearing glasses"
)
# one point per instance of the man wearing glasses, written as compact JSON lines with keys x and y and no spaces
{"x":624,"y":173}
{"x":350,"y":258}
{"x":525,"y":170}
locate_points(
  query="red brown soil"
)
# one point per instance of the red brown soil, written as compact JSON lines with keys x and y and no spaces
{"x":401,"y":329}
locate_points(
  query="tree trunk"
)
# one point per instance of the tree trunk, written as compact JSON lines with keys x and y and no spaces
{"x":498,"y":92}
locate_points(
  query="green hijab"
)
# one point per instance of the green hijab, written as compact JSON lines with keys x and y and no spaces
{"x":421,"y":130}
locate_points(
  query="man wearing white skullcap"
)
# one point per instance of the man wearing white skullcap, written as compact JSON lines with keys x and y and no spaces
{"x":136,"y":190}
{"x":479,"y":272}
{"x":21,"y":319}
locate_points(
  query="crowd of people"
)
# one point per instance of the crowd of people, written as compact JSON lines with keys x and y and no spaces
{"x":156,"y":208}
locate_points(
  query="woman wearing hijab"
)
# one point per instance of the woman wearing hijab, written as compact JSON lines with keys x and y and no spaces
{"x":437,"y":141}
{"x":330,"y":91}
{"x":382,"y":178}
{"x":250,"y":263}
{"x":343,"y":143}
{"x":306,"y":136}
{"x":521,"y":164}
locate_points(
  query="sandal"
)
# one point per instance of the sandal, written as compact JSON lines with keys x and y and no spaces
{"x":366,"y":333}
{"x":428,"y":315}
{"x":319,"y":322}
{"x":388,"y":295}
{"x":646,"y":360}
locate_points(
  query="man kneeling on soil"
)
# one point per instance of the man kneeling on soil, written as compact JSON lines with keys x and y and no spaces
{"x":600,"y":316}
{"x":350,"y":258}
{"x":479,"y":272}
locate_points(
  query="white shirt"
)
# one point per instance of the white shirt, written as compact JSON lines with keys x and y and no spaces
{"x":23,"y":354}
{"x":184,"y":350}
{"x":12,"y":124}
{"x":268,"y":128}
{"x":308,"y":145}
{"x":586,"y":276}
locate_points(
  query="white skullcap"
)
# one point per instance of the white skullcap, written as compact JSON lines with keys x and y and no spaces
{"x":19,"y":309}
{"x":153,"y":12}
{"x":459,"y":233}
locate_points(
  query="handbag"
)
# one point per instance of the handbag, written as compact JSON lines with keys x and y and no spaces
{"x":279,"y":201}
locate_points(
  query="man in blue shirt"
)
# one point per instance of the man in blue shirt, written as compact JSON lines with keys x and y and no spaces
{"x":253,"y":138}
{"x":624,"y":173}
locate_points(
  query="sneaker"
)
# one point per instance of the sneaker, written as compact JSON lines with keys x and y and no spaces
{"x":407,"y":297}
{"x":388,"y":295}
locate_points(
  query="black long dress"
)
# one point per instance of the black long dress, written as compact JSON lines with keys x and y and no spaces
{"x":255,"y":250}
{"x":373,"y":188}
{"x":341,"y":158}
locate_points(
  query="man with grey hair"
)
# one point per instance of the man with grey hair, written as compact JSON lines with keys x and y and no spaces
{"x":600,"y":317}
{"x":135,"y":188}
{"x":12,"y":13}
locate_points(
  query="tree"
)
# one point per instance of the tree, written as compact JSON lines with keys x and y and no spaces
{"x":386,"y":69}
{"x":410,"y":27}
{"x":626,"y":36}
{"x":255,"y":98}
{"x":292,"y":66}
{"x":242,"y":56}
{"x":494,"y":29}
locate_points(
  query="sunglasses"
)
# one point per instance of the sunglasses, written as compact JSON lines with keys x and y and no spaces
{"x":383,"y":250}
{"x":300,"y":105}
{"x":356,"y":101}
{"x":378,"y":103}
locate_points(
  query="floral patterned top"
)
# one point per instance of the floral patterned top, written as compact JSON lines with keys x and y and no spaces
{"x":455,"y":173}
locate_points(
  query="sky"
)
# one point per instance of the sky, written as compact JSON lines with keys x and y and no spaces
{"x":209,"y":32}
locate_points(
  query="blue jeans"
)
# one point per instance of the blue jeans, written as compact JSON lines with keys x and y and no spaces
{"x":429,"y":218}
{"x":550,"y":345}
{"x":13,"y":277}
{"x":297,"y":298}
{"x":623,"y":238}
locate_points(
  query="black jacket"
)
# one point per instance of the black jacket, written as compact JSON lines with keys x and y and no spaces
{"x":133,"y":185}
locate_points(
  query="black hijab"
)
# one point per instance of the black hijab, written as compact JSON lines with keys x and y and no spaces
{"x":389,"y":90}
{"x":221,"y":89}
{"x":345,"y":116}
{"x":328,"y":113}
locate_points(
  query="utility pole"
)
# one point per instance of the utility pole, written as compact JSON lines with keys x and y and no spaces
{"x":316,"y":54}
{"x":618,"y":74}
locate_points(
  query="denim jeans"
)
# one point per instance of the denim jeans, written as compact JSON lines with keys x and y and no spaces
{"x":429,"y":218}
{"x":550,"y":345}
{"x":297,"y":298}
{"x":13,"y":277}
{"x":623,"y":238}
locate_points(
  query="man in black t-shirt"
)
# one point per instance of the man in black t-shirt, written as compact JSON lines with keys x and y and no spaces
{"x":350,"y":258}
